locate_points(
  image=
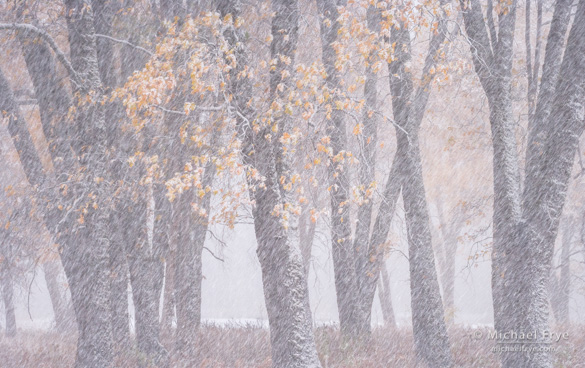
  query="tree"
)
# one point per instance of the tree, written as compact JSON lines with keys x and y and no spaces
{"x":526,"y":223}
{"x":341,"y":233}
{"x":283,"y":273}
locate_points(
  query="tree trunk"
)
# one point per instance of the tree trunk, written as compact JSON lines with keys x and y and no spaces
{"x":168,"y":312}
{"x":87,"y":267}
{"x":119,"y":283}
{"x":104,"y":12}
{"x":283,"y":274}
{"x":7,"y":284}
{"x":523,"y":247}
{"x":376,"y":250}
{"x":546,"y":197}
{"x":559,"y":287}
{"x":385,"y":295}
{"x":565,"y":277}
{"x":341,"y":237}
{"x":84,"y":249}
{"x":161,"y":240}
{"x":188,"y":277}
{"x":62,"y":309}
{"x":428,"y":320}
{"x":493,"y":63}
{"x":143,"y":276}
{"x":367,"y":176}
{"x":307,"y":230}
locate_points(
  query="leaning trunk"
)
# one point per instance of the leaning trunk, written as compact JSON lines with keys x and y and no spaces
{"x":428,"y":320}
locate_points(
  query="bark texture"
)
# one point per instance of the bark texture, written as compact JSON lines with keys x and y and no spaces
{"x":62,"y":308}
{"x":283,"y":274}
{"x":7,"y":285}
{"x":523,"y":247}
{"x":90,"y":288}
{"x":344,"y":266}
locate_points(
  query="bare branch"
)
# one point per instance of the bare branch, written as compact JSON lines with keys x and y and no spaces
{"x":213,"y":254}
{"x":41,"y":33}
{"x":124,"y":42}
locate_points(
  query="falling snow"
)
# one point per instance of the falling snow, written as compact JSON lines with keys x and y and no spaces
{"x":292,"y":183}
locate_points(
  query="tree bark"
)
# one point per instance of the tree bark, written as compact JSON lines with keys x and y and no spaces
{"x":143,"y":276}
{"x":447,"y":257}
{"x":428,"y":318}
{"x":119,"y":283}
{"x":307,"y":230}
{"x":7,"y":284}
{"x":565,"y":276}
{"x":385,"y":295}
{"x":104,"y":12}
{"x":367,"y":176}
{"x":90,"y":288}
{"x":62,"y":309}
{"x":547,"y":193}
{"x":523,"y":248}
{"x":493,"y":63}
{"x":344,"y":266}
{"x":283,"y":275}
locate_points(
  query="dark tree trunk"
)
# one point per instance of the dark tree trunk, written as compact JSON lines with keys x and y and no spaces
{"x":84,"y":253}
{"x":104,"y":12}
{"x":546,"y":196}
{"x":187,"y":238}
{"x":565,"y":276}
{"x":368,"y":142}
{"x":376,"y":251}
{"x":307,"y":230}
{"x":161,"y":239}
{"x":344,"y":266}
{"x":88,"y":272}
{"x":84,"y":249}
{"x":523,"y":247}
{"x":493,"y":63}
{"x":560,"y":287}
{"x":187,"y":275}
{"x":143,"y":267}
{"x":119,"y":284}
{"x":283,"y":274}
{"x":428,"y":320}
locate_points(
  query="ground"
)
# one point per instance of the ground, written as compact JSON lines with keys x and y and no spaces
{"x":247,"y":347}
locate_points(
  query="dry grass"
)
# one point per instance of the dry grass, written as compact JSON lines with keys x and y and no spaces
{"x":247,"y":347}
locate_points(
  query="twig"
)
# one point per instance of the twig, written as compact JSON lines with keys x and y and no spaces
{"x":200,"y":108}
{"x":214,"y":256}
{"x":127,"y":43}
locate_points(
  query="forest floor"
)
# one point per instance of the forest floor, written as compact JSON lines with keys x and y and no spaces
{"x":248,"y":347}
